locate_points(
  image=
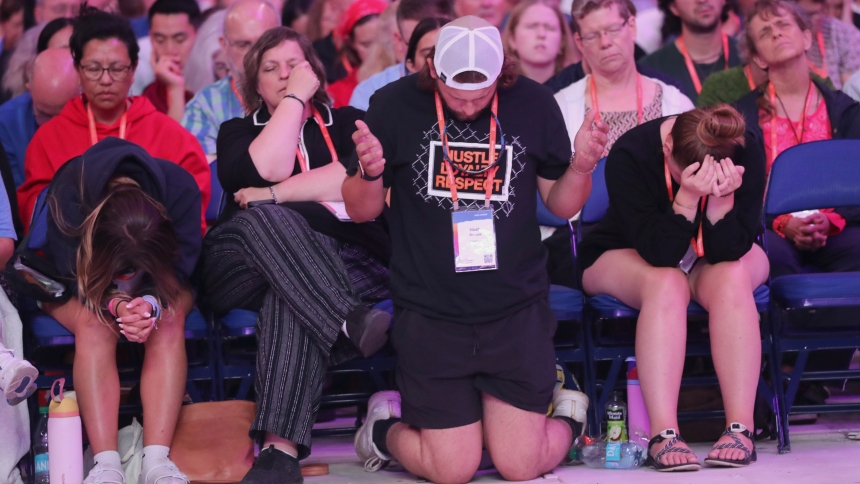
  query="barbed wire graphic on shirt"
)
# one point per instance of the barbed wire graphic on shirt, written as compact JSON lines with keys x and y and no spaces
{"x":466,"y":135}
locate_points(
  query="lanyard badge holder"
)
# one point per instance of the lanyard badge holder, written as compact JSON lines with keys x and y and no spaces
{"x":474,"y":231}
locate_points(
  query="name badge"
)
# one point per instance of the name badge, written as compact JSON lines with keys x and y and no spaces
{"x":474,"y":240}
{"x":689,"y":260}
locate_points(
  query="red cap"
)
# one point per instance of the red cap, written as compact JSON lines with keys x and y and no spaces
{"x":357,"y":11}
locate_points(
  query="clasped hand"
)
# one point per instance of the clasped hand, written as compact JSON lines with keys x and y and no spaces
{"x":135,"y":319}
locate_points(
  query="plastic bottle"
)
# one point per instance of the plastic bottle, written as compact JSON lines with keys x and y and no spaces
{"x":616,"y":419}
{"x":64,"y":438}
{"x":637,"y":414}
{"x":631,"y":455}
{"x":40,"y":448}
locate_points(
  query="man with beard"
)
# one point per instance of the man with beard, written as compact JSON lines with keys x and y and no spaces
{"x":466,"y":146}
{"x":701,"y":49}
{"x":244,"y":23}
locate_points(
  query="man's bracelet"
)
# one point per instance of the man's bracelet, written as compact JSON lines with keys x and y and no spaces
{"x":577,"y":170}
{"x":364,"y":175}
{"x":272,"y":191}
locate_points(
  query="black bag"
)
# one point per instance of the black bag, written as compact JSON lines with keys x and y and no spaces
{"x":32,"y":275}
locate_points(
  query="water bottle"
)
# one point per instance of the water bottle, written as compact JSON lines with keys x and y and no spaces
{"x":626,"y":455}
{"x":616,"y":419}
{"x":637,"y":414}
{"x":65,"y":438}
{"x":40,"y":448}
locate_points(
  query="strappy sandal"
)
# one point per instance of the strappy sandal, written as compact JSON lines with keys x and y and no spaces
{"x":670,"y":448}
{"x":749,"y":455}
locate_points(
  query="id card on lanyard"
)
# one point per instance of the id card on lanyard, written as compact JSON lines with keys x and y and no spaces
{"x":474,"y":231}
{"x":697,"y":246}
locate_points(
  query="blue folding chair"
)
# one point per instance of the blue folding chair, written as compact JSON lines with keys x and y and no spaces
{"x":604,"y":308}
{"x":566,"y":304}
{"x":823,"y":174}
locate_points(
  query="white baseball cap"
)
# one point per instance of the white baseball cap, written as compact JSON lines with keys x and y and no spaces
{"x":469,"y":44}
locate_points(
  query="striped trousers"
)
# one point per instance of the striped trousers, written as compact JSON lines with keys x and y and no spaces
{"x":303,"y":284}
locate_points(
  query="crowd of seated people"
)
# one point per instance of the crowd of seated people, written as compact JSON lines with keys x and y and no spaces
{"x":349,"y":136}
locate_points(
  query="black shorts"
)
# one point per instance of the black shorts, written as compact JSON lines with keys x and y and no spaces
{"x":443,"y":367}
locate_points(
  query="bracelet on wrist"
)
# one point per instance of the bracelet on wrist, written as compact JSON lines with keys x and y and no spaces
{"x":364,"y":175}
{"x":684,"y":206}
{"x":272,"y":192}
{"x":293,"y":96}
{"x":576,"y":170}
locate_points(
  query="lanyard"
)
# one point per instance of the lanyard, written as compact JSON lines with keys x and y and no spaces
{"x":94,"y":138}
{"x":236,"y":91}
{"x":772,"y":93}
{"x":691,"y":68}
{"x":749,"y":76}
{"x":304,"y":164}
{"x":491,"y":173}
{"x":638,"y":98}
{"x":821,"y":71}
{"x":347,"y":66}
{"x":697,"y":243}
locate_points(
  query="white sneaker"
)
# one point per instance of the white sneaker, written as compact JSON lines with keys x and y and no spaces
{"x":102,"y":474}
{"x":17,"y":377}
{"x":164,"y":472}
{"x":382,"y":406}
{"x":571,"y":404}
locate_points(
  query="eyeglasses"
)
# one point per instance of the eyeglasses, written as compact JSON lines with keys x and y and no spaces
{"x":612,"y":32}
{"x":94,"y":72}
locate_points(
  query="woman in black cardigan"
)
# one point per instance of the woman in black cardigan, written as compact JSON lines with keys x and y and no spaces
{"x":279,"y":252}
{"x":685,"y":197}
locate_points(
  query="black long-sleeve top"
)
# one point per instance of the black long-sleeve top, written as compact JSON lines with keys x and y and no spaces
{"x":641,"y":216}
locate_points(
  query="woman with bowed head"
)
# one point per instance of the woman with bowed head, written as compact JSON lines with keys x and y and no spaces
{"x":685,"y":198}
{"x":539,"y":38}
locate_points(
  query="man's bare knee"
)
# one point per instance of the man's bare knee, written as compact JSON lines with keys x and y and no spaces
{"x":448,"y":469}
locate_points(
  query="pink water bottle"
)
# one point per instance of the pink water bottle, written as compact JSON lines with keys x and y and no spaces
{"x":637,"y":414}
{"x":64,"y":437}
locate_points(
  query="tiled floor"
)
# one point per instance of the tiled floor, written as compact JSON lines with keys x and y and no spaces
{"x":821,"y":454}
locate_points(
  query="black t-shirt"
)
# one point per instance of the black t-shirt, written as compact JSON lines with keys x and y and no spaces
{"x":236,"y":170}
{"x":669,"y":61}
{"x":423,"y":277}
{"x":640,"y":214}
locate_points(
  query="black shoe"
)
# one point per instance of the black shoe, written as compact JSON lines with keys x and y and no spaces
{"x":367,"y":329}
{"x":274,"y":467}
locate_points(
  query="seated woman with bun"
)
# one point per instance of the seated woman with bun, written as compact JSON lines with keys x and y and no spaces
{"x":685,"y":198}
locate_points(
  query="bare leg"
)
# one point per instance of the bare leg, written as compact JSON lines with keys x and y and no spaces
{"x":449,"y":456}
{"x":662,"y":296}
{"x":523,"y":444}
{"x":95,"y":372}
{"x":725,"y":291}
{"x":162,"y":379}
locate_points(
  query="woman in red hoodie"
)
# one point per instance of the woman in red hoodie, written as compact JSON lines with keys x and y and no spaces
{"x":105,"y":53}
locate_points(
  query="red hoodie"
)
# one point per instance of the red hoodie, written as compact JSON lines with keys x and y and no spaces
{"x":68,"y":136}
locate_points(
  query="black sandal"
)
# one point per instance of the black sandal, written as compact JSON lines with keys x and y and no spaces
{"x":670,"y":448}
{"x":749,"y":455}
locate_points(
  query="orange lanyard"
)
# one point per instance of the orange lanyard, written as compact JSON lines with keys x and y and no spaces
{"x":691,"y":68}
{"x":491,"y":173}
{"x":304,"y":164}
{"x":347,"y":66}
{"x":236,"y":91}
{"x":94,"y":138}
{"x":697,"y":243}
{"x":772,"y":93}
{"x":822,"y":71}
{"x":749,"y":76}
{"x":638,"y":98}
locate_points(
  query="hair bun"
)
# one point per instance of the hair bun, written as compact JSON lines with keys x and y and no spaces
{"x":721,"y":123}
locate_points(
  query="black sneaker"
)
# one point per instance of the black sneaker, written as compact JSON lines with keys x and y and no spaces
{"x":367,"y":329}
{"x":274,"y":467}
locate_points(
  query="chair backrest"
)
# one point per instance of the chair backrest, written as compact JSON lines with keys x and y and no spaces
{"x":39,"y":222}
{"x":547,"y":218}
{"x":216,"y":202}
{"x":598,"y":202}
{"x":821,"y":174}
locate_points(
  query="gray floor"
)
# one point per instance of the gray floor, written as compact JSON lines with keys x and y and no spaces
{"x":821,"y":454}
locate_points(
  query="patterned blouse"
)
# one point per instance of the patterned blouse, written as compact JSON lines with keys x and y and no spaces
{"x":621,"y":122}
